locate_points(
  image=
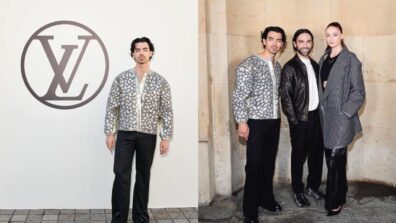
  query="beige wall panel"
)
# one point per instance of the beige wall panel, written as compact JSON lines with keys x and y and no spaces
{"x":240,"y":47}
{"x":218,"y":59}
{"x":203,"y":97}
{"x":319,"y":46}
{"x":216,"y":14}
{"x":203,"y":91}
{"x":242,"y":152}
{"x":238,"y":160}
{"x":379,"y":156}
{"x":378,"y":120}
{"x":238,"y":168}
{"x":284,"y":123}
{"x":222,"y":165}
{"x":245,"y":17}
{"x":379,"y":110}
{"x":201,"y":16}
{"x":355,"y":159}
{"x":220,"y":103}
{"x":365,"y":17}
{"x":293,"y":15}
{"x":356,"y":45}
{"x":282,"y":166}
{"x":380,"y":56}
{"x":205,"y":182}
{"x":288,"y":52}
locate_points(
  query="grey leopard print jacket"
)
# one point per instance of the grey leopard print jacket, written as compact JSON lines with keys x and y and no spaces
{"x":256,"y":95}
{"x":156,"y":105}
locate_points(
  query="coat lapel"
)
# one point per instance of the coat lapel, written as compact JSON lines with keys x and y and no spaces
{"x":320,"y":88}
{"x":336,"y":73}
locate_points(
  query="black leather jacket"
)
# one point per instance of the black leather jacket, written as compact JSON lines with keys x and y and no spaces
{"x":294,"y":89}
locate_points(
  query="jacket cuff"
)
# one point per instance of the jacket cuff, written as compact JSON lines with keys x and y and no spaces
{"x":166,"y":136}
{"x":239,"y":120}
{"x":108,"y":132}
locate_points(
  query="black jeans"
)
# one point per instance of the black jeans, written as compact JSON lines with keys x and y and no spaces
{"x":261,"y":150}
{"x":129,"y":142}
{"x":306,"y":141}
{"x":336,"y":187}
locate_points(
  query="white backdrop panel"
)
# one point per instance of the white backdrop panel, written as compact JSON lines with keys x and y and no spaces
{"x":53,"y":158}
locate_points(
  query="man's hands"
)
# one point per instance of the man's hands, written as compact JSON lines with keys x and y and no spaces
{"x":110,"y":142}
{"x":164,"y":146}
{"x":243,"y":130}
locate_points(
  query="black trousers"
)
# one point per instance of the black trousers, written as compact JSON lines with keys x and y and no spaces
{"x":307,"y":142}
{"x":336,"y":187}
{"x":127,"y":143}
{"x":261,"y":150}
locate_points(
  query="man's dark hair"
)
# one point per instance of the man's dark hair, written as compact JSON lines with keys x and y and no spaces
{"x":142,"y":40}
{"x":298,"y":33}
{"x":277,"y":29}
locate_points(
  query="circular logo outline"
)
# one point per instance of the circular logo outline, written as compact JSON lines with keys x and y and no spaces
{"x":64,"y":22}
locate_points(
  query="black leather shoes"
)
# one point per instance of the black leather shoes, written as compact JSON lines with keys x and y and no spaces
{"x":140,"y":220}
{"x":301,"y":200}
{"x":317,"y":194}
{"x":274,"y":208}
{"x":336,"y":212}
{"x":250,"y":220}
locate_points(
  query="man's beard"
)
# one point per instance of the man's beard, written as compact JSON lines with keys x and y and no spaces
{"x":302,"y":52}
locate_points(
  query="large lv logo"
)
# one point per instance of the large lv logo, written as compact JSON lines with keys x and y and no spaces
{"x":62,"y":90}
{"x":59,"y":68}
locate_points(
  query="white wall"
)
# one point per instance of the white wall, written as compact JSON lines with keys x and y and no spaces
{"x":52,"y":158}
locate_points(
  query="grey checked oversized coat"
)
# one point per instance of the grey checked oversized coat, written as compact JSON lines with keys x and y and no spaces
{"x":341,"y":100}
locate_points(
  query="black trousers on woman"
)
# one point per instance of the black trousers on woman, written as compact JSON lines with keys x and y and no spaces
{"x":336,"y":187}
{"x":129,"y":142}
{"x":262,"y":146}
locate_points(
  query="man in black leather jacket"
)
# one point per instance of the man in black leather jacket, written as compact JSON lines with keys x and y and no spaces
{"x":300,"y":100}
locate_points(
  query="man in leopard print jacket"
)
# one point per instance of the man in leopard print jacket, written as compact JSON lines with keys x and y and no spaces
{"x":139,"y":101}
{"x":256,"y":110}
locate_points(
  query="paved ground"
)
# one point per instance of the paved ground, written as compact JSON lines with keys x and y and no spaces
{"x":366,"y":203}
{"x":168,"y":215}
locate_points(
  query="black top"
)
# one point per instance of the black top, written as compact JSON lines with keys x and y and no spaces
{"x":326,"y":67}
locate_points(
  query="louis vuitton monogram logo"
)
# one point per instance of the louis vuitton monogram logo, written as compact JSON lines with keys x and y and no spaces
{"x":66,"y":71}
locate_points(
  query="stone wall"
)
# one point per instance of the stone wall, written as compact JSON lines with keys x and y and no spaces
{"x":229,"y":32}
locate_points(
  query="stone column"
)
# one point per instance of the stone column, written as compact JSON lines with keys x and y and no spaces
{"x":206,"y":155}
{"x":216,"y":15}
